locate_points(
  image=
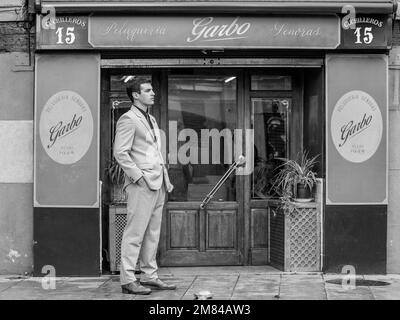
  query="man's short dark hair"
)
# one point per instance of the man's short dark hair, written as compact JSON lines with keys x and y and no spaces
{"x":134,"y":85}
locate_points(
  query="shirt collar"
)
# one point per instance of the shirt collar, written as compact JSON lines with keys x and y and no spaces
{"x":143,"y":111}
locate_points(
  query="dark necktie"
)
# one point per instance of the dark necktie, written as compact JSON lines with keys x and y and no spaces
{"x":147,"y":116}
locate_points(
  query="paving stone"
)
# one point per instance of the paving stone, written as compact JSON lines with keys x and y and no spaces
{"x":256,"y":288}
{"x":302,"y":293}
{"x":386,"y":292}
{"x":7,"y":283}
{"x":336,"y":292}
{"x":302,"y":287}
{"x":339,"y":292}
{"x":257,"y":285}
{"x":221,"y":286}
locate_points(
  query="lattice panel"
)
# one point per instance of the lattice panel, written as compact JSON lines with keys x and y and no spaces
{"x":304,"y":239}
{"x":277,"y":239}
{"x":120,"y":222}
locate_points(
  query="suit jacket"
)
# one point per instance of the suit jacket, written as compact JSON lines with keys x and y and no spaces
{"x":137,"y":149}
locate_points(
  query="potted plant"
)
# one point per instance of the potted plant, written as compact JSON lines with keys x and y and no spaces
{"x":116,"y":177}
{"x":296,"y":178}
{"x":295,"y":229}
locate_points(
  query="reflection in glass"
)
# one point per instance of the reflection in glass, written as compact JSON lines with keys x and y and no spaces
{"x":196,"y":105}
{"x":269,"y":120}
{"x":118,"y":82}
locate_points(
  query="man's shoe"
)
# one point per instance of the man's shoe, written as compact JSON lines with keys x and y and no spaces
{"x":135,"y":288}
{"x":158,"y":284}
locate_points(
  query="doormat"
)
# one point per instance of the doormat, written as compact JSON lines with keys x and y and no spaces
{"x":361,"y":282}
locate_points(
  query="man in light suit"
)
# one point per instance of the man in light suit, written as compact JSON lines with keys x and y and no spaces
{"x":137,"y":149}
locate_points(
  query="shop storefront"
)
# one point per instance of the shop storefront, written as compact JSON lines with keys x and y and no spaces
{"x":268,"y":81}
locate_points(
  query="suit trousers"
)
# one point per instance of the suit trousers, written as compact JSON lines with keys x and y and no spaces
{"x":142,"y":232}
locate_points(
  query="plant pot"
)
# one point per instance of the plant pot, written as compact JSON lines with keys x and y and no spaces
{"x":118,"y":195}
{"x":303,"y":191}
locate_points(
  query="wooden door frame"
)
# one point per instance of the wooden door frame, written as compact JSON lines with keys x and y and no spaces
{"x":295,"y":124}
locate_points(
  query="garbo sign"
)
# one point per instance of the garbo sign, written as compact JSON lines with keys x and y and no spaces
{"x":356,"y":126}
{"x":66,"y":127}
{"x":214,"y":32}
{"x":205,"y":29}
{"x":219,"y":32}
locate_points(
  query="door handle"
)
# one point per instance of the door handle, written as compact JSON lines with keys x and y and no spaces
{"x":239,"y":162}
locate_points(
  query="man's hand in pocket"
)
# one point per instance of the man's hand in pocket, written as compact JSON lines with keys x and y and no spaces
{"x":141,"y":182}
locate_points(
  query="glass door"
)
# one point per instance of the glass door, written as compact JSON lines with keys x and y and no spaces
{"x":273,"y":106}
{"x":269,"y":119}
{"x":202,"y":119}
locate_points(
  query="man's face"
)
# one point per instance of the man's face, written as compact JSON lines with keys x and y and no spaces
{"x":146,"y":96}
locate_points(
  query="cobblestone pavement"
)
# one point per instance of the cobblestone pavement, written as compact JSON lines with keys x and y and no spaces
{"x":225,"y":283}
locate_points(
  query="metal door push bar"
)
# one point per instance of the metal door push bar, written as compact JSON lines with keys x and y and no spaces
{"x":239,"y":162}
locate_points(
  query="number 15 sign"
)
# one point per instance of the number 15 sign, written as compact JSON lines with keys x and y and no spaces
{"x":366,"y":32}
{"x":61,"y":32}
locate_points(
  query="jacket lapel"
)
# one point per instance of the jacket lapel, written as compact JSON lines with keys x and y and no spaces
{"x":156,"y":130}
{"x":143,"y":120}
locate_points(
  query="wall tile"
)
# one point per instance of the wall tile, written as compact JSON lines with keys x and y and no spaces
{"x":16,"y":156}
{"x":16,"y":228}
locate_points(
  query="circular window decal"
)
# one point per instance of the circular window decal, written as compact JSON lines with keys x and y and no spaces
{"x":66,"y":127}
{"x":356,"y":126}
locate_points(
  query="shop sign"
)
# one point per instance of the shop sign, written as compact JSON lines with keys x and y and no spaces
{"x":356,"y":126}
{"x":66,"y":138}
{"x":66,"y":127}
{"x":366,"y":32}
{"x":183,"y":32}
{"x":215,"y":32}
{"x":69,"y":32}
{"x":356,"y":130}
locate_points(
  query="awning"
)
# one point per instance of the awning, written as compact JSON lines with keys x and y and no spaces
{"x":211,"y":6}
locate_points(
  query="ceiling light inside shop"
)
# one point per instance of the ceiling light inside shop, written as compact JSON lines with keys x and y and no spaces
{"x":128,"y":78}
{"x":229,"y":79}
